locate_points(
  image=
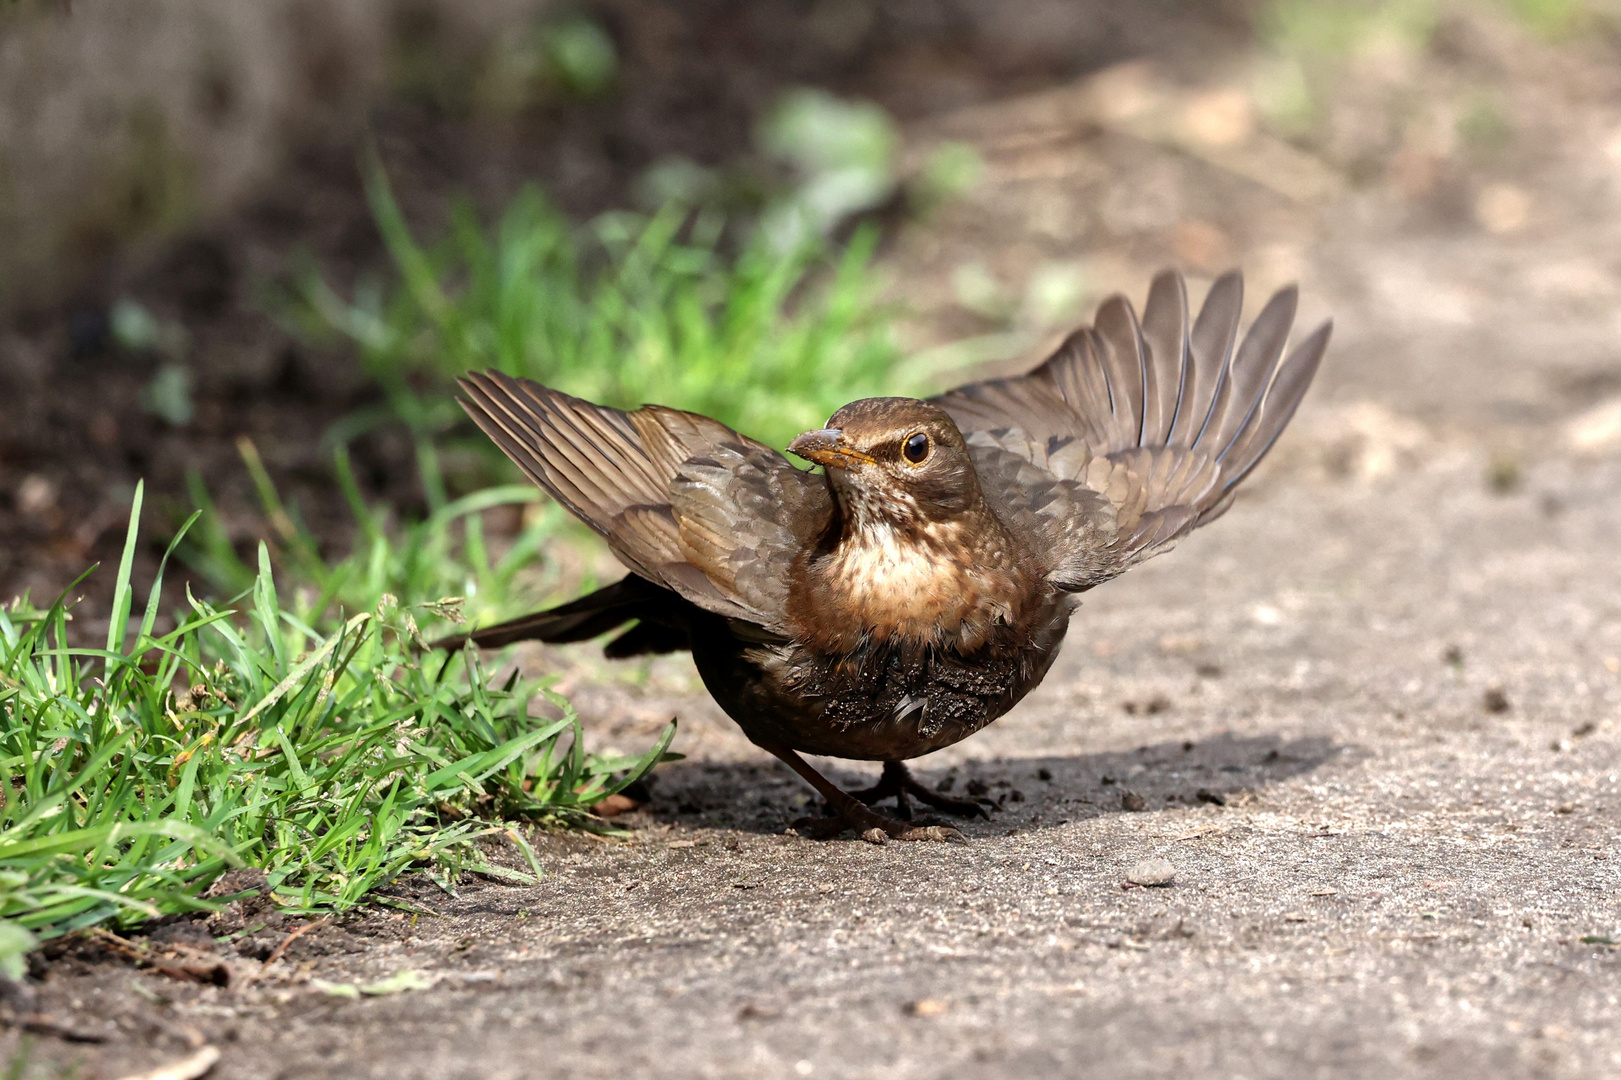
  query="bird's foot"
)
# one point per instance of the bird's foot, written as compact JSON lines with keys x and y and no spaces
{"x":887,"y":787}
{"x":898,"y":782}
{"x":850,"y":812}
{"x":872,"y":827}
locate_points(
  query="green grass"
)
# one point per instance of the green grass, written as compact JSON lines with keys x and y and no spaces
{"x":669,"y":308}
{"x":334,"y":758}
{"x":443,"y":564}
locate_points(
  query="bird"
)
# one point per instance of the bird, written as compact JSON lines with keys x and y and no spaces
{"x":916,"y":581}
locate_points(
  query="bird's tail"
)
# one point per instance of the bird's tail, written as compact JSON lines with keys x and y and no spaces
{"x":631,"y":599}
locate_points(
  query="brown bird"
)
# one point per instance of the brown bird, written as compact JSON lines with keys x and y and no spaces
{"x":921,"y":584}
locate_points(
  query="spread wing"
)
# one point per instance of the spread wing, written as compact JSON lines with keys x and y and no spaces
{"x":1137,"y":431}
{"x":682,"y":500}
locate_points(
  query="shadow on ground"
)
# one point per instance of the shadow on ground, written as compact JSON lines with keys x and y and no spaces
{"x":1019,"y":793}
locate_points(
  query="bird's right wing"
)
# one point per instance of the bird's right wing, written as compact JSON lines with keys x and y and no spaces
{"x":1143,"y":429}
{"x":682,"y":500}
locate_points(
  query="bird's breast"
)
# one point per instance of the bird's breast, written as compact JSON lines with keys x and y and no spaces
{"x":891,"y":578}
{"x":936,"y":586}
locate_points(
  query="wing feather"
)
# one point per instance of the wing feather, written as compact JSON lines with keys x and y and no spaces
{"x":1159,"y":418}
{"x":1165,"y":339}
{"x":1126,"y":368}
{"x":1211,"y":345}
{"x":682,"y":500}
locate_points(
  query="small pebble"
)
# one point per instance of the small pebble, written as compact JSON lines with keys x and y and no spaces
{"x":1130,"y":800}
{"x":1494,"y":700}
{"x":1205,"y":795}
{"x":1152,"y":872}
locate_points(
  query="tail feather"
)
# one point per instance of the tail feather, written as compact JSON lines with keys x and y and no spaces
{"x":590,"y":616}
{"x":648,"y":638}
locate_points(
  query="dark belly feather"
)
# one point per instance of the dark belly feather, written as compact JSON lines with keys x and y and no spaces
{"x":884,"y":702}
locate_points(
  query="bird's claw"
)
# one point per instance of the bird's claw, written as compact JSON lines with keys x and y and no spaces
{"x":875,"y":829}
{"x":940,"y":833}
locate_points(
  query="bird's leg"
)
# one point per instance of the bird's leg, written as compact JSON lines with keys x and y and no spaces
{"x":898,"y":782}
{"x":895,"y":783}
{"x":849,"y":813}
{"x":883,"y":789}
{"x":901,"y":777}
{"x":889,"y":786}
{"x":903,"y":805}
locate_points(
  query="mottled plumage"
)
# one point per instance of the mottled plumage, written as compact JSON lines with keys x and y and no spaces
{"x":921,"y":585}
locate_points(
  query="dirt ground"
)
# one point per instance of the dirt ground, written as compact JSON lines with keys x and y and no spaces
{"x":1400,"y":875}
{"x":1372,"y":716}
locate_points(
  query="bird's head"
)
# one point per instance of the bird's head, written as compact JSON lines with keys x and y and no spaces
{"x":893,"y":461}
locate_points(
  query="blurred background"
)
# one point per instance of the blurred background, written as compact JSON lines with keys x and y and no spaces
{"x":245,"y":246}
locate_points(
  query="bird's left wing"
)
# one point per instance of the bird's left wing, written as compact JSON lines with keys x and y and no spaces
{"x":682,"y":500}
{"x":1138,"y":431}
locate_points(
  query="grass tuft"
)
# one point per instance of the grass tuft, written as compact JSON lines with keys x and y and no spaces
{"x":334,"y":759}
{"x":442,"y":566}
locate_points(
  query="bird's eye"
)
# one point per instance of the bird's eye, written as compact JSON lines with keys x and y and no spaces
{"x":916,"y":447}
